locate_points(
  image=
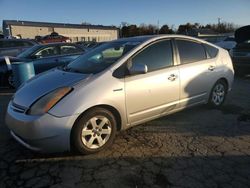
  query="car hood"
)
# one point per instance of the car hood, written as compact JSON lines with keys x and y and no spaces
{"x":45,"y":83}
{"x":242,"y":34}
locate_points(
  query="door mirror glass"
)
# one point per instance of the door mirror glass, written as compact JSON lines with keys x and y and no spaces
{"x":138,"y":68}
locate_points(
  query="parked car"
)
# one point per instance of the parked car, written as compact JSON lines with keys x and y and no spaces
{"x":115,"y":86}
{"x":241,"y":52}
{"x":13,"y":47}
{"x":52,"y":38}
{"x":44,"y":57}
{"x":228,"y":43}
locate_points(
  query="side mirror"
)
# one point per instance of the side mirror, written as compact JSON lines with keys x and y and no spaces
{"x":138,"y":68}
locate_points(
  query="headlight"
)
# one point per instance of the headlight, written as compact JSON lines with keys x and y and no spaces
{"x":45,"y":103}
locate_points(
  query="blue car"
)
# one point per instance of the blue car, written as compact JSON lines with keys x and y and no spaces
{"x":44,"y":57}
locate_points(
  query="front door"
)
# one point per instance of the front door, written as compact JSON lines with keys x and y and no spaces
{"x":155,"y":93}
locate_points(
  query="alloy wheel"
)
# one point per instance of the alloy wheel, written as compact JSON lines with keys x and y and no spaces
{"x":96,"y":132}
{"x":218,"y":94}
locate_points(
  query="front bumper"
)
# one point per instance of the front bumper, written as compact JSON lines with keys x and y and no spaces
{"x":45,"y":133}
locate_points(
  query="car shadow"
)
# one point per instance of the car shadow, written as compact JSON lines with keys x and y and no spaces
{"x":196,"y":147}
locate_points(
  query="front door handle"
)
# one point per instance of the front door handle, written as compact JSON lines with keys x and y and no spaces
{"x":211,"y":67}
{"x":172,"y":77}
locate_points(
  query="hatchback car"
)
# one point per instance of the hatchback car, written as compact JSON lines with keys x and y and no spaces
{"x":44,"y":57}
{"x":52,"y":38}
{"x":120,"y":84}
{"x":241,"y":52}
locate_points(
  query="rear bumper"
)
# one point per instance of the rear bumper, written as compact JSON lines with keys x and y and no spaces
{"x":45,"y":133}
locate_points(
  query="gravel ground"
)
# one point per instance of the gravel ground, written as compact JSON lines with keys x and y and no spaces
{"x":197,"y":147}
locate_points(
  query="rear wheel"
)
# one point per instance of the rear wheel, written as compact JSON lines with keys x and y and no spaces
{"x":94,"y":131}
{"x":218,"y":94}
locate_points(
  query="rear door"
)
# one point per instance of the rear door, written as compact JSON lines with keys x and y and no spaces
{"x":155,"y":93}
{"x":197,"y":72}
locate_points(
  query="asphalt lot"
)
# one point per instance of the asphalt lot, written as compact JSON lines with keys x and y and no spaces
{"x":198,"y":147}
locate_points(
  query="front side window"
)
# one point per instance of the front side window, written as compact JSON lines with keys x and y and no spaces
{"x":190,"y":51}
{"x":47,"y":52}
{"x":156,"y":56}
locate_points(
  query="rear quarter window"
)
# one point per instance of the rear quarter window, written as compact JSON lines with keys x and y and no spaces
{"x":211,"y":51}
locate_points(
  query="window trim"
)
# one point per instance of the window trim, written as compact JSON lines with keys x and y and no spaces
{"x":190,"y":40}
{"x":174,"y":59}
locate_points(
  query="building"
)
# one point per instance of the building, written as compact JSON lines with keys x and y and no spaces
{"x":76,"y":32}
{"x":207,"y":34}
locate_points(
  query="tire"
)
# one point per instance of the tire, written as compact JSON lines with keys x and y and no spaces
{"x":94,"y":131}
{"x":218,"y":94}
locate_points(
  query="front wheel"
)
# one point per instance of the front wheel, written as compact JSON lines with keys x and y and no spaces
{"x":218,"y":94}
{"x":94,"y":131}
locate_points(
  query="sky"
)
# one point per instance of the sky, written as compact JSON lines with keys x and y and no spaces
{"x":113,"y":12}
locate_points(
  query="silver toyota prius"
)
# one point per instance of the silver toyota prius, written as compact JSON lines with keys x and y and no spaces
{"x":120,"y":84}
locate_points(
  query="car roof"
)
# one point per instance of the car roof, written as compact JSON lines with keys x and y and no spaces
{"x":58,"y":43}
{"x":145,"y":38}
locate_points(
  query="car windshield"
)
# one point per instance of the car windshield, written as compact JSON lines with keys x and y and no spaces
{"x":28,"y":52}
{"x":101,"y":57}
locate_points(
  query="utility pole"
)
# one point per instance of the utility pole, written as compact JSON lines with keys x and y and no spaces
{"x":219,"y":26}
{"x":219,"y":21}
{"x":158,"y":26}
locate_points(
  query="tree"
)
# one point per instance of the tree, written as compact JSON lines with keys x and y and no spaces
{"x":184,"y":29}
{"x":166,"y":30}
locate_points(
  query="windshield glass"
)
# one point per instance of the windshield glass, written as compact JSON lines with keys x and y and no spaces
{"x":28,"y":52}
{"x":101,"y":57}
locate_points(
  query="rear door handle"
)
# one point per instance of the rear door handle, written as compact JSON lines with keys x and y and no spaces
{"x":172,"y":77}
{"x":211,"y":67}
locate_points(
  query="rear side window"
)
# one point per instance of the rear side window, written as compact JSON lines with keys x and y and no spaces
{"x":156,"y":56}
{"x":211,"y":51}
{"x":190,"y":51}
